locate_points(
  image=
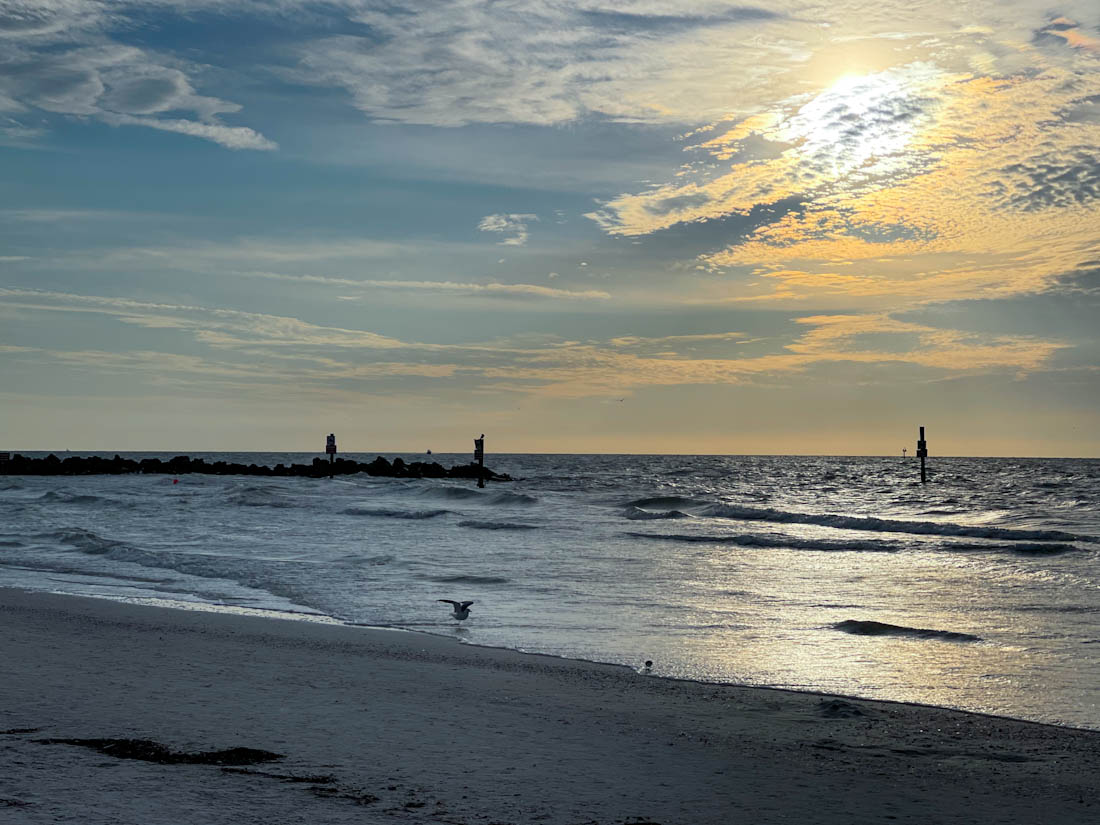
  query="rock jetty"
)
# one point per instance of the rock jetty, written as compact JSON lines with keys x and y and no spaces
{"x":51,"y":465}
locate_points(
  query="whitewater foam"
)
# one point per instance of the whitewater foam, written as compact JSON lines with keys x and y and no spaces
{"x":637,"y":514}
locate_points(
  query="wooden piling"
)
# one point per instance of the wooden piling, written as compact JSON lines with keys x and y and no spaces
{"x":479,"y":457}
{"x":922,"y":453}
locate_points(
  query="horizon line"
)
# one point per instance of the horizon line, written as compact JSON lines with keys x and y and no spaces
{"x":344,"y":453}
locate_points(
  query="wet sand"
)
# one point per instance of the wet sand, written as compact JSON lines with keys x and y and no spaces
{"x":382,"y":726}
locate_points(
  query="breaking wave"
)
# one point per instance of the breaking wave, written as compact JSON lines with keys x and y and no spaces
{"x":468,"y":579}
{"x":636,"y":514}
{"x":868,"y":628}
{"x":1023,"y":548}
{"x":779,"y":541}
{"x":84,"y":540}
{"x":256,"y":496}
{"x":513,"y":499}
{"x":497,"y":525}
{"x":664,"y":503}
{"x":201,"y":565}
{"x":386,"y":512}
{"x":452,"y":493}
{"x":355,"y":560}
{"x":63,"y":497}
{"x":924,"y":528}
{"x":473,"y":495}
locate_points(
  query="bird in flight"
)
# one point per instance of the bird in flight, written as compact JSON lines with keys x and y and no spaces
{"x":461,"y":609}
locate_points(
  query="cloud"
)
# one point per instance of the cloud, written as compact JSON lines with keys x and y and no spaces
{"x":309,"y":354}
{"x":914,"y":183}
{"x":212,"y":325}
{"x":546,"y":63}
{"x":67,"y":215}
{"x":1069,"y":32}
{"x":49,"y":18}
{"x":57,"y":57}
{"x":1083,"y":281}
{"x":859,"y":129}
{"x":1056,"y":180}
{"x":255,"y":250}
{"x":231,"y":137}
{"x":493,"y":289}
{"x":513,"y":225}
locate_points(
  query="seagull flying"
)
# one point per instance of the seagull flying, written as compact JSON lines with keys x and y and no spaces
{"x":461,"y":609}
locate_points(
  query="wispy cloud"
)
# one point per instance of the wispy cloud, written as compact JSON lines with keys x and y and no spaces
{"x":314,"y":354}
{"x":231,"y":137}
{"x":544,"y":63}
{"x":58,"y":57}
{"x":513,"y":226}
{"x":493,"y":289}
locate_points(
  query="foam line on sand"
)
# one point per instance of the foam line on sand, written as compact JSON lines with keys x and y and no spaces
{"x":106,"y":709}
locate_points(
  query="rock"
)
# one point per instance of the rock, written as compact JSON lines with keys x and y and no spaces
{"x":181,"y":465}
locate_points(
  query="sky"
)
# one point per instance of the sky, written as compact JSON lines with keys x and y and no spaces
{"x":686,"y":226}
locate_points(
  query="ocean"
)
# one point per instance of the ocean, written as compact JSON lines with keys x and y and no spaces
{"x":979,"y":590}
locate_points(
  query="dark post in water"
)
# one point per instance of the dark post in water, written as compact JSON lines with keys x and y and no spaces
{"x":922,"y":453}
{"x":330,"y":448}
{"x":479,"y":457}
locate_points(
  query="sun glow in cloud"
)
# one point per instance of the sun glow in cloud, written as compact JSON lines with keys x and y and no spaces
{"x":860,"y":119}
{"x":912,"y":164}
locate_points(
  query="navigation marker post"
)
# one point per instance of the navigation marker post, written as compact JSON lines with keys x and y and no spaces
{"x":922,"y":453}
{"x":330,"y":448}
{"x":479,"y":457}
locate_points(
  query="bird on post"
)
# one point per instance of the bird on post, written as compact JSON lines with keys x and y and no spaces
{"x":461,"y":609}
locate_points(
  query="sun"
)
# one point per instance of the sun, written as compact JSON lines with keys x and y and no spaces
{"x":860,"y":121}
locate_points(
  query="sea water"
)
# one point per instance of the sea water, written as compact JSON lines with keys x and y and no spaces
{"x":979,"y":590}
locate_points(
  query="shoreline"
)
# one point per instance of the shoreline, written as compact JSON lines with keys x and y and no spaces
{"x":324,"y":619}
{"x":371,"y":723}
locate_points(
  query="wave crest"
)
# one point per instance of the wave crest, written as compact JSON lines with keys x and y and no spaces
{"x":1023,"y":548}
{"x":497,"y":525}
{"x":453,"y":493}
{"x":870,"y":628}
{"x":388,"y":512}
{"x":637,"y":514}
{"x":256,"y":496}
{"x":881,"y":525}
{"x":514,"y":499}
{"x":779,"y":542}
{"x":470,"y":579}
{"x":663,"y":503}
{"x":64,"y":497}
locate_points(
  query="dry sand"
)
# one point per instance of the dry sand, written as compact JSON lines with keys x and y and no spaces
{"x":384,"y":726}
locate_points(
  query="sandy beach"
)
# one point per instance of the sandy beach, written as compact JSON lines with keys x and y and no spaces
{"x":375,"y":725}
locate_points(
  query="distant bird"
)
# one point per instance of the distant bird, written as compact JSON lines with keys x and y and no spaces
{"x":461,"y":609}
